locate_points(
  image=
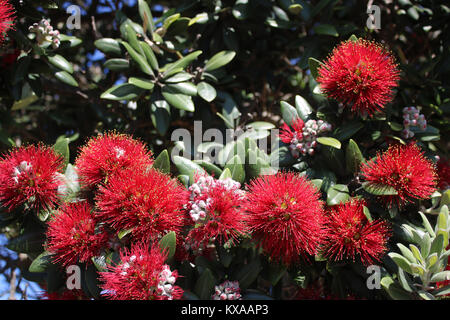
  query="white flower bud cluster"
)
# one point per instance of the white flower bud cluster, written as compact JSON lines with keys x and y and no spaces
{"x":22,"y":167}
{"x":44,"y":32}
{"x":199,"y":200}
{"x":307,"y":143}
{"x":166,"y":282}
{"x":228,"y":290}
{"x":412,"y":118}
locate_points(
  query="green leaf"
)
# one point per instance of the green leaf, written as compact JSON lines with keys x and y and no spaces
{"x":353,"y":157}
{"x":66,"y":78}
{"x":117,"y":64}
{"x":187,"y":88}
{"x":206,"y":91}
{"x":326,"y":29}
{"x":109,"y":46}
{"x":288,"y":113}
{"x":179,"y":77}
{"x":314,"y":66}
{"x":124,"y":91}
{"x":226,"y":173}
{"x":178,"y":100}
{"x":187,"y":167}
{"x":61,"y":63}
{"x":40,"y":264}
{"x":62,"y":147}
{"x":92,"y":282}
{"x":160,"y":114}
{"x":219,"y":60}
{"x":353,"y":38}
{"x":162,"y":162}
{"x":328,"y":141}
{"x":140,"y":60}
{"x":26,"y":243}
{"x":150,"y":55}
{"x":427,"y":225}
{"x":169,"y":244}
{"x":236,"y":167}
{"x":303,"y":107}
{"x":204,"y":287}
{"x":407,"y":253}
{"x":378,"y":190}
{"x":394,"y":291}
{"x":337,"y":194}
{"x":212,"y":169}
{"x":142,"y":83}
{"x":132,"y":38}
{"x":180,"y":64}
{"x":248,"y":273}
{"x":401,"y":261}
{"x":146,"y":14}
{"x":124,"y":233}
{"x":347,"y":130}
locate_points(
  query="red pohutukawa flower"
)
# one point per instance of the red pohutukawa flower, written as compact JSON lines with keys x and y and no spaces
{"x":141,"y":275}
{"x":403,"y":169}
{"x":148,"y":203}
{"x":29,"y":175}
{"x":351,"y":235}
{"x":443,"y":173}
{"x":360,"y":74}
{"x":215,"y":210}
{"x":7,"y":18}
{"x":107,"y":154}
{"x":287,"y":135}
{"x":285,"y":216}
{"x":73,"y":234}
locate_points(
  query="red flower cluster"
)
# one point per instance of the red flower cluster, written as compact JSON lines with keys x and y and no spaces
{"x":285,"y":216}
{"x":73,"y":234}
{"x":404,"y":169}
{"x":443,"y":174}
{"x":287,"y":135}
{"x":29,"y":175}
{"x":215,"y":211}
{"x":360,"y":74}
{"x":7,"y":18}
{"x":104,"y":156}
{"x":141,"y":275}
{"x":148,"y":203}
{"x":349,"y":234}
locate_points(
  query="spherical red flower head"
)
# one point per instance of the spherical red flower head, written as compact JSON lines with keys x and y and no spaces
{"x":285,"y":216}
{"x":7,"y":18}
{"x":405,"y":170}
{"x":224,"y":218}
{"x":287,"y":135}
{"x":29,"y":175}
{"x":108,"y":154}
{"x":443,"y":173}
{"x":74,"y":235}
{"x":360,"y":74}
{"x":148,"y":203}
{"x":141,"y":275}
{"x":351,"y":235}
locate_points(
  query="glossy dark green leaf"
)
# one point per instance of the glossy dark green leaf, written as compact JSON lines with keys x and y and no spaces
{"x":139,"y":59}
{"x":181,"y":63}
{"x":41,"y":262}
{"x":353,"y":157}
{"x":288,"y":113}
{"x":162,"y":162}
{"x":328,"y":141}
{"x":337,"y":194}
{"x":61,"y":63}
{"x":168,"y":243}
{"x":219,"y":60}
{"x":66,"y":78}
{"x":178,"y":100}
{"x":117,"y":64}
{"x":61,"y":147}
{"x":206,"y":91}
{"x":204,"y":288}
{"x":314,"y":65}
{"x":124,"y":91}
{"x":142,"y":83}
{"x":109,"y":46}
{"x":236,"y":166}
